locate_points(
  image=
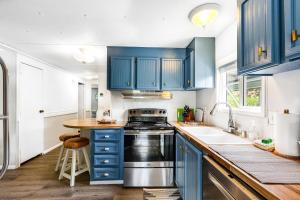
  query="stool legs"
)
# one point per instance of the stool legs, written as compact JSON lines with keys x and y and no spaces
{"x":63,"y":167}
{"x":59,"y":157}
{"x":74,"y":173}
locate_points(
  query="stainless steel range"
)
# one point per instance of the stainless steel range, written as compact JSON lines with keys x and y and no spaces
{"x":149,"y":149}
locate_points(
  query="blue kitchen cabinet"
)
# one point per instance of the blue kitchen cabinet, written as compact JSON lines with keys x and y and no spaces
{"x":188,"y":169}
{"x":107,"y":155}
{"x":193,"y":173}
{"x":148,"y":74}
{"x":121,"y":72}
{"x":258,"y":35}
{"x":292,"y":29}
{"x":172,"y":74}
{"x":180,"y":163}
{"x":199,"y":66}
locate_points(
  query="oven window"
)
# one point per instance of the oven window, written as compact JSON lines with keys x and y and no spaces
{"x":149,"y":148}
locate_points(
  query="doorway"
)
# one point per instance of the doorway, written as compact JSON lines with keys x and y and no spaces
{"x":94,"y":102}
{"x":81,"y":105}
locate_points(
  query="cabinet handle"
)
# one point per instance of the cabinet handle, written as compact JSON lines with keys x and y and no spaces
{"x":106,"y":149}
{"x":106,"y":161}
{"x":153,"y":83}
{"x":106,"y":174}
{"x":260,"y":51}
{"x":165,"y":84}
{"x":128,"y":83}
{"x":295,"y":36}
{"x":106,"y":136}
{"x":189,"y":82}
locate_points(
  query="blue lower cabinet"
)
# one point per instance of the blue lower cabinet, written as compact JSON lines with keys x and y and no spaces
{"x":188,"y":169}
{"x":107,"y":154}
{"x":193,"y":173}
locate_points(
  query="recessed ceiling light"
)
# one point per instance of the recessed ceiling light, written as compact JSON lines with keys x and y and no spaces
{"x":204,"y":14}
{"x":84,"y":56}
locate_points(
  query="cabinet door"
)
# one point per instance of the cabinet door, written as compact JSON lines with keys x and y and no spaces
{"x":180,"y":163}
{"x":172,"y":74}
{"x":122,"y":73}
{"x":258,"y":35}
{"x":189,"y":70}
{"x":193,"y":173}
{"x":148,"y":73}
{"x":292,"y":29}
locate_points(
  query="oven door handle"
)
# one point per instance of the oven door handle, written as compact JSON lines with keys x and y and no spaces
{"x":158,"y":132}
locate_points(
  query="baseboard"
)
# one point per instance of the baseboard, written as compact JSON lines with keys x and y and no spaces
{"x":11,"y":167}
{"x":106,"y":182}
{"x":51,"y":148}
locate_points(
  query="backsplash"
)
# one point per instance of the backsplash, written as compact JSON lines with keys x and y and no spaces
{"x":180,"y":98}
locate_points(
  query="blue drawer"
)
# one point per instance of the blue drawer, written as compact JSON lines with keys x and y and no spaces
{"x":106,"y":134}
{"x":106,"y":160}
{"x":106,"y":173}
{"x":106,"y":147}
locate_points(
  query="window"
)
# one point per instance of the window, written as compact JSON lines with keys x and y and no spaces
{"x":242,"y":93}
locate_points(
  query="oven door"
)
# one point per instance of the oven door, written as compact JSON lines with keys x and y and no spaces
{"x":149,"y":158}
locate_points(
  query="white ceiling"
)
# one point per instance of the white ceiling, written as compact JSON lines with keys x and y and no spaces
{"x":52,"y":30}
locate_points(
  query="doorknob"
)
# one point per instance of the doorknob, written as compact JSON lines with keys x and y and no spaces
{"x":41,"y":111}
{"x":260,"y":51}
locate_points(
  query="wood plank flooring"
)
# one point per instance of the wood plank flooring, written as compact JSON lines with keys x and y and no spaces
{"x":37,"y":179}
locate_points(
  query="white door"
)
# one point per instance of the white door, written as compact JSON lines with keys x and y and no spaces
{"x":31,"y":116}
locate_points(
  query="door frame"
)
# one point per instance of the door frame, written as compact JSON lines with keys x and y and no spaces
{"x":33,"y":64}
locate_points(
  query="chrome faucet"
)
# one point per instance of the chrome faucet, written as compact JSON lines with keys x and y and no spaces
{"x":231,"y":127}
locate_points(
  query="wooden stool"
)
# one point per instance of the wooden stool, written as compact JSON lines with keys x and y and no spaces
{"x":63,"y":138}
{"x":74,"y":145}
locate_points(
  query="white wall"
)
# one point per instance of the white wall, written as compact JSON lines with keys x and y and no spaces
{"x":281,"y":90}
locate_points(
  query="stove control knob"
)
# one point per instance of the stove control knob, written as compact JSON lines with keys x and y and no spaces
{"x":160,"y":111}
{"x":164,"y":112}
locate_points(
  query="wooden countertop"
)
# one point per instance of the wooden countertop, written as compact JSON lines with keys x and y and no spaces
{"x":269,"y":191}
{"x":90,"y":124}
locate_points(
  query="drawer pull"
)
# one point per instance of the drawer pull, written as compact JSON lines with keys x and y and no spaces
{"x":106,"y":149}
{"x":106,"y":136}
{"x":106,"y":161}
{"x":106,"y":174}
{"x":294,"y":36}
{"x":260,"y":51}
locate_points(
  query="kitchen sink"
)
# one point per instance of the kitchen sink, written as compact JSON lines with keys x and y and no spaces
{"x":213,"y":135}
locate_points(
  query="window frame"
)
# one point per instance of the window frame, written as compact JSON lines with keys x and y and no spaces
{"x":222,"y":93}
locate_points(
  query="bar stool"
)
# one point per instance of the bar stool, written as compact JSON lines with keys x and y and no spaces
{"x":63,"y":138}
{"x":74,"y":145}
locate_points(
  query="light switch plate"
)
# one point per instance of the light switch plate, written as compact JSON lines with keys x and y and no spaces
{"x":271,"y":120}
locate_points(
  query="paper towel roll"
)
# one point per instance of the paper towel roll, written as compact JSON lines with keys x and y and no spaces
{"x":287,"y":134}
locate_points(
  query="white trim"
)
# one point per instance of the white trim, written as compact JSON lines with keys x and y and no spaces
{"x":59,"y":113}
{"x":106,"y":182}
{"x":11,"y":167}
{"x":51,"y":148}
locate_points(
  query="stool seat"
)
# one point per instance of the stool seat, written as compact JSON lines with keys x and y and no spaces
{"x":67,"y":136}
{"x":76,"y":143}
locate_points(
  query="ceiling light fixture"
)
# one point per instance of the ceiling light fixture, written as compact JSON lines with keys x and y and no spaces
{"x":84,"y":56}
{"x":204,"y":14}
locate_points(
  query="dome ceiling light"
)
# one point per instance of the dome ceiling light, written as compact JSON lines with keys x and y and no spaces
{"x":84,"y":56}
{"x":204,"y":14}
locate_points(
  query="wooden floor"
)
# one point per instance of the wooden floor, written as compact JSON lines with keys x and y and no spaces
{"x":36,"y":179}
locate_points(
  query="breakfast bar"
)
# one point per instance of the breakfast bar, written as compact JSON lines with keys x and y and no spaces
{"x":105,"y":149}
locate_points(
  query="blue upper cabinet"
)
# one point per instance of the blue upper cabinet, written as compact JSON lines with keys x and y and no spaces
{"x":148,"y":74}
{"x":193,"y":173}
{"x":172,"y":74}
{"x":292,"y":29}
{"x":200,"y":64}
{"x":121,"y":73}
{"x":258,"y":35}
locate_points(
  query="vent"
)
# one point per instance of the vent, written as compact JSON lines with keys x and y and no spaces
{"x":136,"y":94}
